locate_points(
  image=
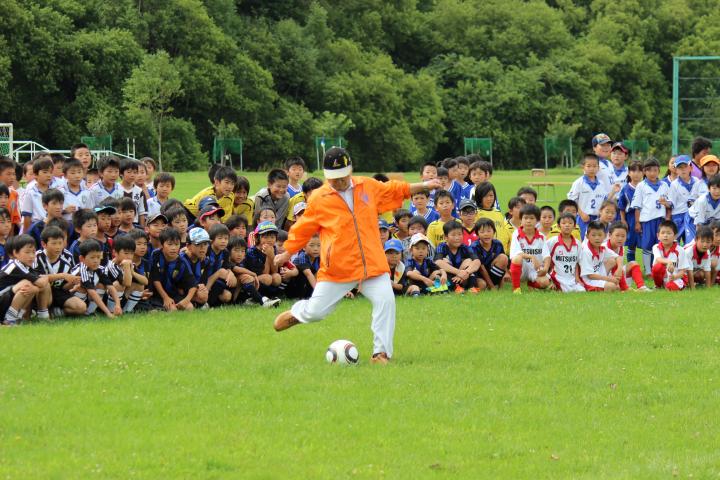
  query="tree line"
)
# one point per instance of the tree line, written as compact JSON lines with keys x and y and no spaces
{"x":403,"y":81}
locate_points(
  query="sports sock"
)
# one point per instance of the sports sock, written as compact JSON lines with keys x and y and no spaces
{"x":515,"y":275}
{"x":58,"y":312}
{"x":43,"y":313}
{"x":658,"y":274}
{"x":647,"y":261}
{"x":496,"y":274}
{"x":637,"y":276}
{"x":132,"y":300}
{"x":12,"y":316}
{"x":623,"y":284}
{"x":92,"y":306}
{"x":252,"y":292}
{"x":630,"y":254}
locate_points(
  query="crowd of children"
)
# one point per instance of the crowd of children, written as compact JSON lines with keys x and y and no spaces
{"x":457,"y":239}
{"x":76,"y":239}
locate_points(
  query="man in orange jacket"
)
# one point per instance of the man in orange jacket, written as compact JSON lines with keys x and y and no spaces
{"x":344,"y":211}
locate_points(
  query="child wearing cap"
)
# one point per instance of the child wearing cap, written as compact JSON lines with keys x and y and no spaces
{"x":468,"y":214}
{"x":589,"y":192}
{"x":617,"y":173}
{"x":209,"y":216}
{"x":684,"y":191}
{"x":195,"y":254}
{"x":298,"y":210}
{"x":247,"y":280}
{"x":710,"y":165}
{"x":421,"y":271}
{"x":398,"y":279}
{"x":602,"y":148}
{"x":223,"y":189}
{"x":155,"y":225}
{"x":650,"y":202}
{"x":457,"y":259}
{"x":260,"y":259}
{"x":384,"y":231}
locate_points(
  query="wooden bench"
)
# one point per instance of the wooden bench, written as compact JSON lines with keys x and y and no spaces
{"x":548,"y":188}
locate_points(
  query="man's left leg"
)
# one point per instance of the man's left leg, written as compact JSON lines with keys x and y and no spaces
{"x":379,"y":291}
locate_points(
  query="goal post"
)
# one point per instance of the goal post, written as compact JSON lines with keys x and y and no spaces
{"x":695,"y":106}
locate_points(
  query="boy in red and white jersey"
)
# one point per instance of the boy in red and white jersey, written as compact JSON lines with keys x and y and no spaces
{"x":564,"y":251}
{"x":698,"y":252}
{"x":617,"y":236}
{"x":671,"y":264}
{"x":596,"y":260}
{"x":528,"y":252}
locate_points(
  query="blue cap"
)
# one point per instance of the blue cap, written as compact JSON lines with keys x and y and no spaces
{"x":394,"y":244}
{"x":266,"y":227}
{"x":383,"y":224}
{"x":198,"y":235}
{"x":207,"y":201}
{"x":600,"y":138}
{"x":682,"y":160}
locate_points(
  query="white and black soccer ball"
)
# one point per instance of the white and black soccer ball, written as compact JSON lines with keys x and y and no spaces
{"x":342,"y":352}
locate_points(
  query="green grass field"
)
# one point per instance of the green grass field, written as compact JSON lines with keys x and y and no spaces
{"x":492,"y":386}
{"x":540,"y":385}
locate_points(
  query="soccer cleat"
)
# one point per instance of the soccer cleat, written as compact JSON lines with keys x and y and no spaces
{"x":270,"y":302}
{"x":459,"y":290}
{"x":644,"y":288}
{"x":284,"y":321}
{"x":517,"y":291}
{"x":379,"y":359}
{"x":474,"y":290}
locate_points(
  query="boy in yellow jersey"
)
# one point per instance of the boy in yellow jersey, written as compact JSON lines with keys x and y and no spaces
{"x":223,"y":189}
{"x":512,"y":223}
{"x":566,"y":206}
{"x":486,"y":201}
{"x":445,"y":206}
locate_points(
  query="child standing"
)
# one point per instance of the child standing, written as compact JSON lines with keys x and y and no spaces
{"x":31,"y":204}
{"x":617,"y":174}
{"x":445,"y":205}
{"x":588,"y":192}
{"x":671,"y":263}
{"x":76,"y":197}
{"x":595,"y":260}
{"x":649,"y":201}
{"x":684,"y":191}
{"x":295,"y":168}
{"x":627,"y":213}
{"x":528,"y":252}
{"x":564,"y":253}
{"x":164,"y":184}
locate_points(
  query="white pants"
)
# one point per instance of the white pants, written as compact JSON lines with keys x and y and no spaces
{"x":378,"y":290}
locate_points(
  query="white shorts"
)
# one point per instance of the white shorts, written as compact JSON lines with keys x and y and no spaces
{"x":528,"y":272}
{"x":566,"y":283}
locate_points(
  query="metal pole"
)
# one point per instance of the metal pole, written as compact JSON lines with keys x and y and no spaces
{"x":317,"y":154}
{"x":545,"y":149}
{"x":241,"y":157}
{"x":675,"y":105}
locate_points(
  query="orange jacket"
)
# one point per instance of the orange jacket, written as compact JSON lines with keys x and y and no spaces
{"x":350,"y":241}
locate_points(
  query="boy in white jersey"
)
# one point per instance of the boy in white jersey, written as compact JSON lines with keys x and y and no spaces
{"x":588,"y":192}
{"x":684,"y":191}
{"x":618,"y":171}
{"x":649,"y":201}
{"x":707,"y":207}
{"x":595,"y":261}
{"x":109,"y":170}
{"x":698,"y":252}
{"x":528,"y":252}
{"x":671,"y":264}
{"x":75,"y":196}
{"x":564,"y":251}
{"x":128,"y":172}
{"x":617,"y":239}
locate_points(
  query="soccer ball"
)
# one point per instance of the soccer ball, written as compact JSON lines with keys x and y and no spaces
{"x":343,"y":352}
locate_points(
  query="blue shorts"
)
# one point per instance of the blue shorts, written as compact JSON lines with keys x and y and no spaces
{"x":633,"y":238}
{"x":583,"y":226}
{"x":690,"y":230}
{"x":679,"y":221}
{"x":649,"y":233}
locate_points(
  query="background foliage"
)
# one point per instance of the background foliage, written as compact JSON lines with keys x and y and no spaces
{"x":403,"y":81}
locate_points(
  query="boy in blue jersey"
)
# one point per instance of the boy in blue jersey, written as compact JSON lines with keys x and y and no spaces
{"x":627,"y":213}
{"x":171,"y":277}
{"x":458,"y":260}
{"x":260,"y":259}
{"x":421,"y":271}
{"x":491,"y":253}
